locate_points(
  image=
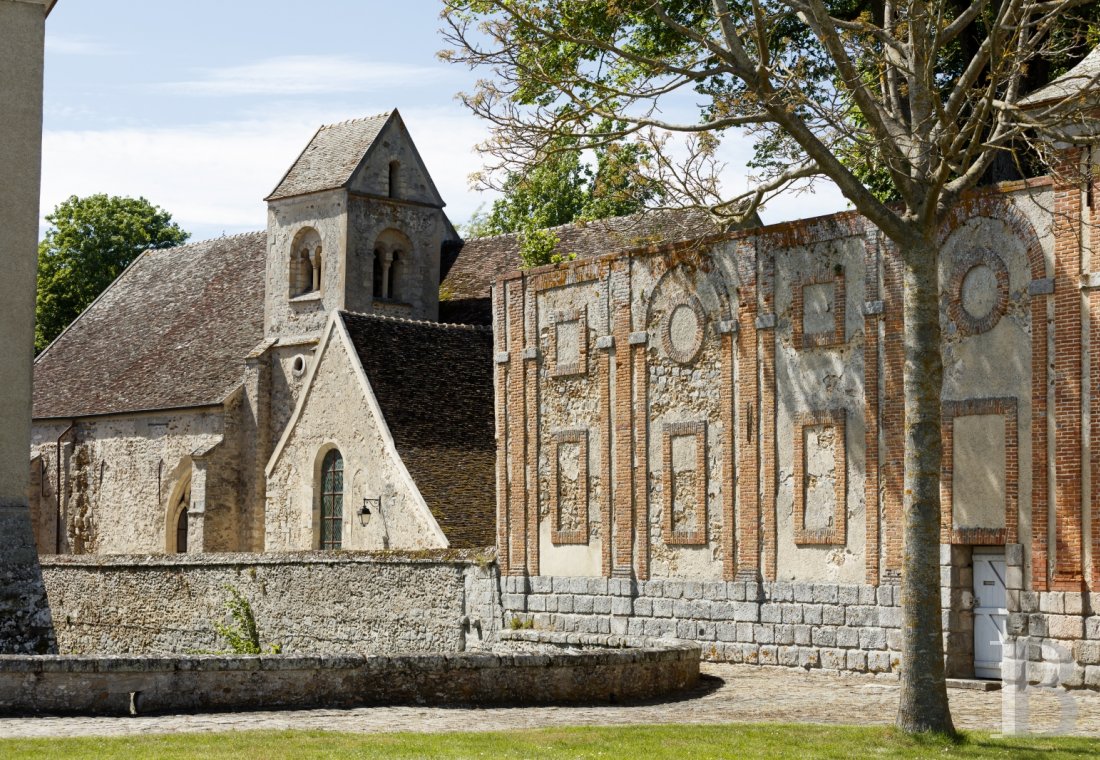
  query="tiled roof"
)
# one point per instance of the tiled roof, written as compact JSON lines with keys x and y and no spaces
{"x":434,"y":383}
{"x":331,"y":157}
{"x":1073,"y":82}
{"x":482,"y":260}
{"x":171,"y":331}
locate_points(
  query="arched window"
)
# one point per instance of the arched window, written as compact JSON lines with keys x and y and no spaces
{"x":332,"y":500}
{"x":395,"y":167}
{"x":182,"y":505}
{"x":395,"y":265}
{"x":376,"y":279}
{"x":305,"y":263}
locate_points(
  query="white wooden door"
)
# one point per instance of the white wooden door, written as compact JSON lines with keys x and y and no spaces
{"x":990,"y":613}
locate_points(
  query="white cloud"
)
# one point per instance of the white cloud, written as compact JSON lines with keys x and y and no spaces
{"x":213,"y":177}
{"x":308,"y":75}
{"x":59,"y":44}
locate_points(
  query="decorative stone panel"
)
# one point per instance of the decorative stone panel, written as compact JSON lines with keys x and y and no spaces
{"x":685,"y":492}
{"x":569,"y":343}
{"x":683,"y":331}
{"x":820,"y":425}
{"x":569,"y":487}
{"x":950,"y":533}
{"x":977,"y":291}
{"x":811,"y":306}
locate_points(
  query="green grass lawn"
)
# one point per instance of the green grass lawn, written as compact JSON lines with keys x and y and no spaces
{"x":647,"y":742}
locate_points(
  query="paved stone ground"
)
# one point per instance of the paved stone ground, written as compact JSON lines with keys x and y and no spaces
{"x":732,"y":693}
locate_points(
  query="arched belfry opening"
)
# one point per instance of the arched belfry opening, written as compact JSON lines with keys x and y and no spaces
{"x":392,"y":252}
{"x":305,"y":263}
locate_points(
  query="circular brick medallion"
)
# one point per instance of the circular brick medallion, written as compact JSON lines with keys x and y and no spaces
{"x":978,"y":291}
{"x":683,"y":333}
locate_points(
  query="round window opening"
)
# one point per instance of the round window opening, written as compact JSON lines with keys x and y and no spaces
{"x":299,"y":365}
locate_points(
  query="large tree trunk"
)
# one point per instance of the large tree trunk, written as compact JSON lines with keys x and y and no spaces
{"x":923,"y":705}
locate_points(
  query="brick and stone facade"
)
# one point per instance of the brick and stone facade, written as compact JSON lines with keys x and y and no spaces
{"x":743,"y":418}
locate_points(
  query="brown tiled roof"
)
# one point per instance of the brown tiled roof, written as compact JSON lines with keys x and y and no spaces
{"x":434,"y":383}
{"x":482,"y":260}
{"x":331,"y":157}
{"x":1076,"y":81}
{"x":171,"y":331}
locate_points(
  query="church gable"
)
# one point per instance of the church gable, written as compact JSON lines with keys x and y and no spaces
{"x":392,"y":168}
{"x":338,"y":429}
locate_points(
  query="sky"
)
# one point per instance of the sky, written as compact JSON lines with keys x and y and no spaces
{"x":201,"y":106}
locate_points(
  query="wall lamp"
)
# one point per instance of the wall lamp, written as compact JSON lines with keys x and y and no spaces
{"x":365,"y":511}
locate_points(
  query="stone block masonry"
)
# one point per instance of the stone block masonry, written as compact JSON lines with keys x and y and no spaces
{"x":808,"y":625}
{"x":366,"y":603}
{"x":532,"y":668}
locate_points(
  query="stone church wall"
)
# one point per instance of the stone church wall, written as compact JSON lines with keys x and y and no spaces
{"x":337,"y":414}
{"x":720,"y":424}
{"x":306,"y":603}
{"x":122,"y":476}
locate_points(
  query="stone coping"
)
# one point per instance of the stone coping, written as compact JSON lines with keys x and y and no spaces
{"x":481,"y":557}
{"x":616,"y":668}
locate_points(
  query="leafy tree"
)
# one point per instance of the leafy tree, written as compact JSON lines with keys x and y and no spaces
{"x":931,"y":91}
{"x":89,"y":243}
{"x":562,"y":188}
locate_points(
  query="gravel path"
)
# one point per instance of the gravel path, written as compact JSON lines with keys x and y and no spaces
{"x":731,"y":693}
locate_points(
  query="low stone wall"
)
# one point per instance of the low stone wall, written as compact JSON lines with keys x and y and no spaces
{"x":575,"y":669}
{"x":364,"y":603}
{"x":1054,"y":637}
{"x":807,"y":625}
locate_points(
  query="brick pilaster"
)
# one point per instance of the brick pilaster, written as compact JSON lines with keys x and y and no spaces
{"x":500,"y":395}
{"x":640,"y":363}
{"x":517,"y":430}
{"x":608,"y":417}
{"x":893,"y":411}
{"x":768,"y":442}
{"x":532,"y":418}
{"x":727,"y":449}
{"x":1067,"y":383}
{"x":871,"y":318}
{"x":621,"y":533}
{"x":747,"y":498}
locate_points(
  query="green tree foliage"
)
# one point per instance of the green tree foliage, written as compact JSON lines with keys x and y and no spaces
{"x":561,"y":188}
{"x":89,"y":243}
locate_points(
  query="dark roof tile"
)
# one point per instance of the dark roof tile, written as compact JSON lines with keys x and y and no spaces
{"x":482,"y":260}
{"x":171,"y":331}
{"x":331,"y":157}
{"x":434,"y":383}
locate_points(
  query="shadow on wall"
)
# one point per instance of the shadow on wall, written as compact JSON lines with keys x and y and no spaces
{"x":26,"y":625}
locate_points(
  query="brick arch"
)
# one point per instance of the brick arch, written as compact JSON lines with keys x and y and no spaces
{"x":711,"y":276}
{"x":1002,"y":209}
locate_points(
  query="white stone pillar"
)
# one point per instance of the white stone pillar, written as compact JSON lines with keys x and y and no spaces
{"x":25,"y":624}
